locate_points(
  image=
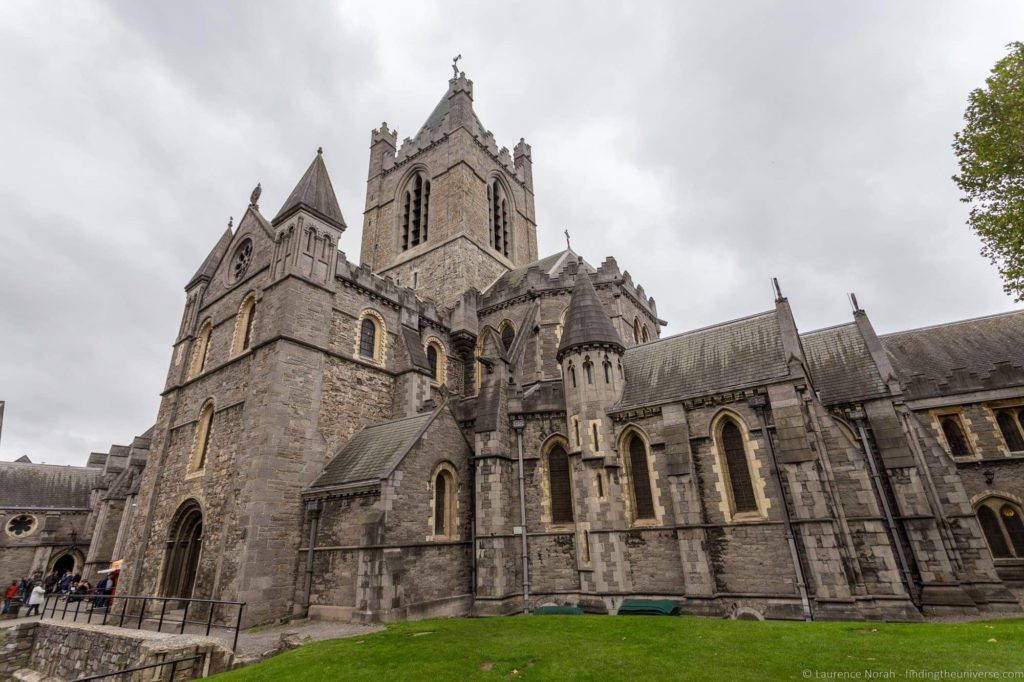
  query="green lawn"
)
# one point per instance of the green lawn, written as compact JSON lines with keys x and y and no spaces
{"x":639,"y":647}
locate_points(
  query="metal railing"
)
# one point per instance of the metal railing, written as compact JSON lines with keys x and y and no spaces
{"x":170,"y":678}
{"x":105,"y":611}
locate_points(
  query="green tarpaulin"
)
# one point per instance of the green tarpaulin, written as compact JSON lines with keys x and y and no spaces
{"x":564,"y":610}
{"x":649,"y":607}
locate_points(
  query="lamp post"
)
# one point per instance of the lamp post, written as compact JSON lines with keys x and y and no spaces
{"x":518,"y":424}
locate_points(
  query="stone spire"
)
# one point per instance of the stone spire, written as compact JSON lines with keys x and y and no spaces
{"x":315,"y":194}
{"x":587,"y":323}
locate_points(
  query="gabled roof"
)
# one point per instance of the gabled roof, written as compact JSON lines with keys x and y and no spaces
{"x":586,"y":322}
{"x":46,"y":486}
{"x":209,"y":266}
{"x":733,"y":355}
{"x":372,"y":454}
{"x":969,"y":355}
{"x":841,"y":366}
{"x":549,"y":266}
{"x":315,"y":194}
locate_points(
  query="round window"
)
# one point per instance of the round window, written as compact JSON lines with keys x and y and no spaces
{"x":21,"y":525}
{"x":240,"y":261}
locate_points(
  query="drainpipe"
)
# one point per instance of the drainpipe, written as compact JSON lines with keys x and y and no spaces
{"x":518,"y":423}
{"x":858,"y":416}
{"x":313,"y":508}
{"x":760,"y":404}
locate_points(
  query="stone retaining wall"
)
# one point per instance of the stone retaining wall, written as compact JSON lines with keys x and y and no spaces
{"x":67,"y":651}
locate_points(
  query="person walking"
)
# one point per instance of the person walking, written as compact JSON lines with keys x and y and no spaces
{"x":35,"y":600}
{"x":10,"y":595}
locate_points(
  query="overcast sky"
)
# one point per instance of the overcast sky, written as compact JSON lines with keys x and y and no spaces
{"x":707,"y":146}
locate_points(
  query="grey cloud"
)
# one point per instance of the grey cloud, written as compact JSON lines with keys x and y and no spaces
{"x":707,"y":146}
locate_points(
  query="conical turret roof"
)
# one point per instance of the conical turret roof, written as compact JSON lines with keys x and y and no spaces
{"x":315,"y":194}
{"x":586,"y":322}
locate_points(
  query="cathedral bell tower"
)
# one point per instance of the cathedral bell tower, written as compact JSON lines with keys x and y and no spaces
{"x":447,"y":210}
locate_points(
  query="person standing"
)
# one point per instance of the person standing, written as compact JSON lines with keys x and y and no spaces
{"x":10,"y":595}
{"x":35,"y":599}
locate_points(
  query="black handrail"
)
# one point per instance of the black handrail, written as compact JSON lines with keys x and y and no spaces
{"x":107,"y":607}
{"x":174,"y":668}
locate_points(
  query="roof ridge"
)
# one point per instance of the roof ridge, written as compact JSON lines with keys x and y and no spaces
{"x":829,"y":328}
{"x":953,"y":323}
{"x":766,"y":313}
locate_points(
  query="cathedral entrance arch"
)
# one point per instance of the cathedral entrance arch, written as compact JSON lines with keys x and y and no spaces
{"x":184,"y":543}
{"x":68,"y":560}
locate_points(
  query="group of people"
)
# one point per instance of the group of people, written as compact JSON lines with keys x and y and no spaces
{"x":33,"y":592}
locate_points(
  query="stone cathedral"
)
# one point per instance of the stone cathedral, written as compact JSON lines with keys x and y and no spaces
{"x":459,"y":426}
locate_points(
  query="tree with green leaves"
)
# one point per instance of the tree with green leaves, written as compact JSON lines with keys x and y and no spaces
{"x":990,"y":149}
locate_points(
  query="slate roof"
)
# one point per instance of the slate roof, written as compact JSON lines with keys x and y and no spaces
{"x":841,"y":367}
{"x":46,"y":486}
{"x":586,"y":322}
{"x":371,"y":454}
{"x":437,"y":116}
{"x":315,"y":193}
{"x":969,"y":355}
{"x":549,"y":265}
{"x":209,"y":266}
{"x":728,"y":356}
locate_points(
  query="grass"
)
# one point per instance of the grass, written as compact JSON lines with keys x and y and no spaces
{"x":649,"y":648}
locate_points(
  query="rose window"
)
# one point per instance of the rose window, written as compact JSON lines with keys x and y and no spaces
{"x":240,"y":263}
{"x":22,"y":524}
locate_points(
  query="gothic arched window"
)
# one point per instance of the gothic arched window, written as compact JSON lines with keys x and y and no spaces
{"x":432,"y":361}
{"x":588,"y":370}
{"x":201,"y":446}
{"x":1011,"y":433}
{"x":367,"y":338}
{"x":741,"y":487}
{"x":954,"y":434}
{"x":444,"y":502}
{"x":572,"y":375}
{"x":508,"y":334}
{"x":636,"y":329}
{"x":415,"y":211}
{"x":640,"y":476}
{"x":499,"y":219}
{"x":607,"y":370}
{"x":560,"y":485}
{"x":201,"y":349}
{"x":1004,"y":531}
{"x":243,"y":325}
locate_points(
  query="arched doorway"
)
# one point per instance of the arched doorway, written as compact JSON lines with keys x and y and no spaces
{"x":68,"y":560}
{"x":184,"y":544}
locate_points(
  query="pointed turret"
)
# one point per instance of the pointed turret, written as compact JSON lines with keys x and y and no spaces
{"x":308,"y":227}
{"x":586,"y":322}
{"x":315,"y":194}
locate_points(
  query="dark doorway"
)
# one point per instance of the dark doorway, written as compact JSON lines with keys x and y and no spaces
{"x":65,"y":564}
{"x":183,"y":548}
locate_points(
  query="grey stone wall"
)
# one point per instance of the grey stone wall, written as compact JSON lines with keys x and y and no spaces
{"x":73,"y":650}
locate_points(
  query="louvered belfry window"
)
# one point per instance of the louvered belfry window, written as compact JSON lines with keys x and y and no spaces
{"x":560,"y":482}
{"x":416,"y":212}
{"x":643,"y":501}
{"x":739,"y":472}
{"x":958,"y":446}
